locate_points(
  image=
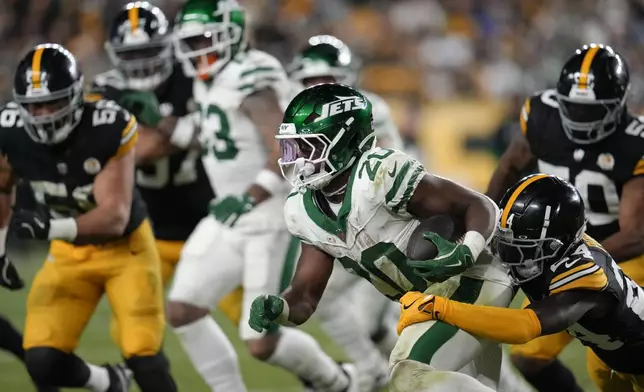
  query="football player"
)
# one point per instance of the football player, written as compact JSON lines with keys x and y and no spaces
{"x":326,"y":59}
{"x":572,"y":282}
{"x":583,"y":132}
{"x":151,"y":85}
{"x":78,"y":158}
{"x":240,"y":94}
{"x":359,"y":204}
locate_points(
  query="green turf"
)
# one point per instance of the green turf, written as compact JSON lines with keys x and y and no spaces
{"x":97,"y":347}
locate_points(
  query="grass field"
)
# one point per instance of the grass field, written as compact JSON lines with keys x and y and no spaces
{"x":97,"y":347}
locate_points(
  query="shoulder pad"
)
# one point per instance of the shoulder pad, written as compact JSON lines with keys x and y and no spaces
{"x":387,"y":177}
{"x":10,"y":116}
{"x":535,"y":104}
{"x":258,"y":70}
{"x":577,"y":271}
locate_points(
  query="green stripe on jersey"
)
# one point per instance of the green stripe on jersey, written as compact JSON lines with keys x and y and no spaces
{"x":411,"y":185}
{"x":257,"y":70}
{"x":258,"y":84}
{"x":397,"y":182}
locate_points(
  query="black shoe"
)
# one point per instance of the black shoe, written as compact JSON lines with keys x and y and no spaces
{"x":120,"y":377}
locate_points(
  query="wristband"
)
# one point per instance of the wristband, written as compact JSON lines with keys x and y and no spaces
{"x":63,"y":229}
{"x":3,"y":240}
{"x":282,"y":319}
{"x":271,"y":181}
{"x":475,"y":242}
{"x":183,"y":131}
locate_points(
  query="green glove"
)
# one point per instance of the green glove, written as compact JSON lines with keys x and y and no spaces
{"x":230,"y":208}
{"x":264,"y":312}
{"x":144,"y":105}
{"x":452,"y":259}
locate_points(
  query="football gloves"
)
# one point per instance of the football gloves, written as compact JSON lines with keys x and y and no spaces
{"x":229,"y":209}
{"x":30,"y":224}
{"x":452,"y":259}
{"x":416,"y":307}
{"x":144,"y":105}
{"x":9,"y":277}
{"x":265,"y":312}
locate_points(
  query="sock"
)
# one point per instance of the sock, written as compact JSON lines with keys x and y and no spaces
{"x":300,"y":354}
{"x":11,"y":339}
{"x":212,"y":354}
{"x":554,"y":378}
{"x":99,"y":378}
{"x":339,"y":322}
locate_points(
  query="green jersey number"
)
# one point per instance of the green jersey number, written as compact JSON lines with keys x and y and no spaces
{"x":381,"y":261}
{"x":215,"y":122}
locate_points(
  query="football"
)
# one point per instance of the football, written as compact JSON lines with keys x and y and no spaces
{"x":418,"y":248}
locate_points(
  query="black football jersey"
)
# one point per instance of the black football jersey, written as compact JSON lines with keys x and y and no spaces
{"x":61,"y":176}
{"x":598,"y":170}
{"x":617,"y":337}
{"x":176,"y":188}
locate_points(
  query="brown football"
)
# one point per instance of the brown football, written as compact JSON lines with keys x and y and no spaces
{"x":418,"y":248}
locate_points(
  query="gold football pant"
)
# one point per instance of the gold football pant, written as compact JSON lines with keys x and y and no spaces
{"x":170,"y":252}
{"x":71,"y":282}
{"x":548,"y":347}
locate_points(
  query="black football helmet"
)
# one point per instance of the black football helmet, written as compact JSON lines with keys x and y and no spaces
{"x":591,"y":92}
{"x":324,"y":56}
{"x":140,"y":45}
{"x":48,"y":86}
{"x":542,"y":219}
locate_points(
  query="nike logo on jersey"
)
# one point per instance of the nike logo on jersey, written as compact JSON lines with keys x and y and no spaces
{"x":392,"y":173}
{"x":39,"y":223}
{"x":570,"y":263}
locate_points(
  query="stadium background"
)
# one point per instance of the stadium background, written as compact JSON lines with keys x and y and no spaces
{"x":454,"y":71}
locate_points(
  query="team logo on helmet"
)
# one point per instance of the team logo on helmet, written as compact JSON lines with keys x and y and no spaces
{"x":342,"y":105}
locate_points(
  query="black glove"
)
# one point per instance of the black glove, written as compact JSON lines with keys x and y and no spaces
{"x":28,"y":224}
{"x":9,"y":277}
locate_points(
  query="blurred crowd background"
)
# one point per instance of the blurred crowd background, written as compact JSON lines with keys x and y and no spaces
{"x":454,"y":71}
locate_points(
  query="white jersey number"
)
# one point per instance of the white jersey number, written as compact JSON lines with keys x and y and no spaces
{"x":583,"y":182}
{"x":186,"y":174}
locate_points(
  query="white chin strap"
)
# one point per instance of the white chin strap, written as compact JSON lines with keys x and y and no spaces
{"x":304,"y":168}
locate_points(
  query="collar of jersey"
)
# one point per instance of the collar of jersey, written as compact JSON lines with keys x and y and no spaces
{"x":326,"y":223}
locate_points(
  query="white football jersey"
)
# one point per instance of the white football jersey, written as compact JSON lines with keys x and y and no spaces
{"x":370,"y":235}
{"x":234,"y":151}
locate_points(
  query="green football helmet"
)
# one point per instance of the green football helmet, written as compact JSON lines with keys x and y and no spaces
{"x":325,"y":129}
{"x":208,"y":34}
{"x":324,"y":57}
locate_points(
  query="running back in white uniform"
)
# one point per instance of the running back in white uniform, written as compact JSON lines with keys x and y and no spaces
{"x":377,"y":227}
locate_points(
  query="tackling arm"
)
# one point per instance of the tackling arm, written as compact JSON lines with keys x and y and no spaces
{"x":263,"y":108}
{"x":628,"y":242}
{"x":513,"y":326}
{"x":313,"y":271}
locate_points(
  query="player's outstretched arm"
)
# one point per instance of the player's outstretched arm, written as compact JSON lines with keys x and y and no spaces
{"x":9,"y":277}
{"x":628,"y":242}
{"x":301,"y":298}
{"x":153,"y":143}
{"x":514,"y":161}
{"x":513,"y":326}
{"x":113,"y":188}
{"x":264,"y":110}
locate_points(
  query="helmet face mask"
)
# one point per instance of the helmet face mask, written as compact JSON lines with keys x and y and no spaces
{"x":140,"y":47}
{"x":542,"y":221}
{"x":591,"y":93}
{"x":326,"y":128}
{"x":208,"y":35}
{"x":51,"y":103}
